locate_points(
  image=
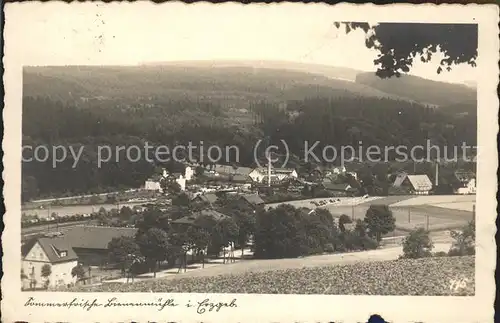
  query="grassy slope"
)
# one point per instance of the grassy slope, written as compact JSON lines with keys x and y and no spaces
{"x":423,"y":90}
{"x":429,"y":276}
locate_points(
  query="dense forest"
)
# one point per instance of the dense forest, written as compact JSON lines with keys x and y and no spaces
{"x":125,"y":118}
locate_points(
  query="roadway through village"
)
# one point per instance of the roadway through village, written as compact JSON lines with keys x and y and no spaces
{"x":216,"y":267}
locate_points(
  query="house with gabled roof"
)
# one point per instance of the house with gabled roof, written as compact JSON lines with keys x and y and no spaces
{"x":417,"y":184}
{"x":90,"y":243}
{"x":55,"y":252}
{"x":192,"y":219}
{"x":209,"y":198}
{"x":260,"y":174}
{"x":227,"y":170}
{"x":254,"y":200}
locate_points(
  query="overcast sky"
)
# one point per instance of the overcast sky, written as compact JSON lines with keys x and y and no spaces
{"x":122,"y":35}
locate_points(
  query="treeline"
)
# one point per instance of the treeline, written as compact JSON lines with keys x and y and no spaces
{"x":166,"y":236}
{"x":338,"y":122}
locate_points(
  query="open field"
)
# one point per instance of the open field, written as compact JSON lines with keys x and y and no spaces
{"x":464,"y":206}
{"x":437,"y":199}
{"x":429,"y":276}
{"x":331,"y":201}
{"x":88,"y":199}
{"x":54,"y":227}
{"x":410,"y":215}
{"x":76,"y":209}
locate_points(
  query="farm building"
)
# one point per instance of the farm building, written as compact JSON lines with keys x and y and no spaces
{"x":254,"y":200}
{"x":55,"y":252}
{"x":341,"y":188}
{"x":209,"y":198}
{"x":90,"y":243}
{"x":226,"y":170}
{"x":417,"y":184}
{"x":154,"y":182}
{"x":467,"y":183}
{"x":279,"y":174}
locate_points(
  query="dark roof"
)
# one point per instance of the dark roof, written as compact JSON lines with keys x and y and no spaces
{"x":95,"y":237}
{"x":208,"y":197}
{"x":241,"y":178}
{"x":335,"y":187}
{"x":464,"y":176}
{"x":53,"y":246}
{"x":254,"y":199}
{"x":217,"y":216}
{"x":227,"y":169}
{"x":191,"y":219}
{"x":283,"y":170}
{"x":155,"y":178}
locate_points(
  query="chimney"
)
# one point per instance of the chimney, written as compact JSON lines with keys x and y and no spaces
{"x":269,"y":170}
{"x":437,"y":174}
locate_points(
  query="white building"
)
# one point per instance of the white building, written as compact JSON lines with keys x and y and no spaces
{"x":468,"y":187}
{"x":189,"y":173}
{"x":339,"y":170}
{"x":55,"y":253}
{"x":259,"y":174}
{"x":154,"y":183}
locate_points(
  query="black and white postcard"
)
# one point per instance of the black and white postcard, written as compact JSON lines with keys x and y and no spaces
{"x":249,"y":163}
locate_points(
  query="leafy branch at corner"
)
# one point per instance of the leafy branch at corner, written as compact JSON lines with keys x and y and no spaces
{"x":399,"y":44}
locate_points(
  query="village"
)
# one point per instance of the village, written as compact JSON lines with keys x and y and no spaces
{"x":92,"y":247}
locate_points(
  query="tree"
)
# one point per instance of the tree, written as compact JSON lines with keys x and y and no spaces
{"x":120,"y":249}
{"x":417,"y":244}
{"x":126,"y":213}
{"x":46,"y":272}
{"x":199,"y":171}
{"x":379,"y":221}
{"x":244,"y":216}
{"x":224,"y":234}
{"x":78,"y":271}
{"x":198,"y":239}
{"x":464,"y":241}
{"x":154,"y":245}
{"x":343,"y":220}
{"x":133,"y":263}
{"x":399,"y":44}
{"x":170,"y":186}
{"x":153,"y":217}
{"x":181,"y":199}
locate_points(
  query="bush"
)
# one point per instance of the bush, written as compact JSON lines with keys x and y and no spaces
{"x":417,"y":244}
{"x":367,"y":243}
{"x":440,"y":254}
{"x":288,"y":232}
{"x":464,"y":243}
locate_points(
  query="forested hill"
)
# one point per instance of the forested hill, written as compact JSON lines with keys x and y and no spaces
{"x":421,"y":90}
{"x":165,"y":105}
{"x":227,"y":84}
{"x":234,"y":85}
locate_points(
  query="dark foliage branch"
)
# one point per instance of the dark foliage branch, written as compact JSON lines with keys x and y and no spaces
{"x":399,"y":44}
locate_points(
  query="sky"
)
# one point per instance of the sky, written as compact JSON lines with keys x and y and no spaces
{"x":64,"y":34}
